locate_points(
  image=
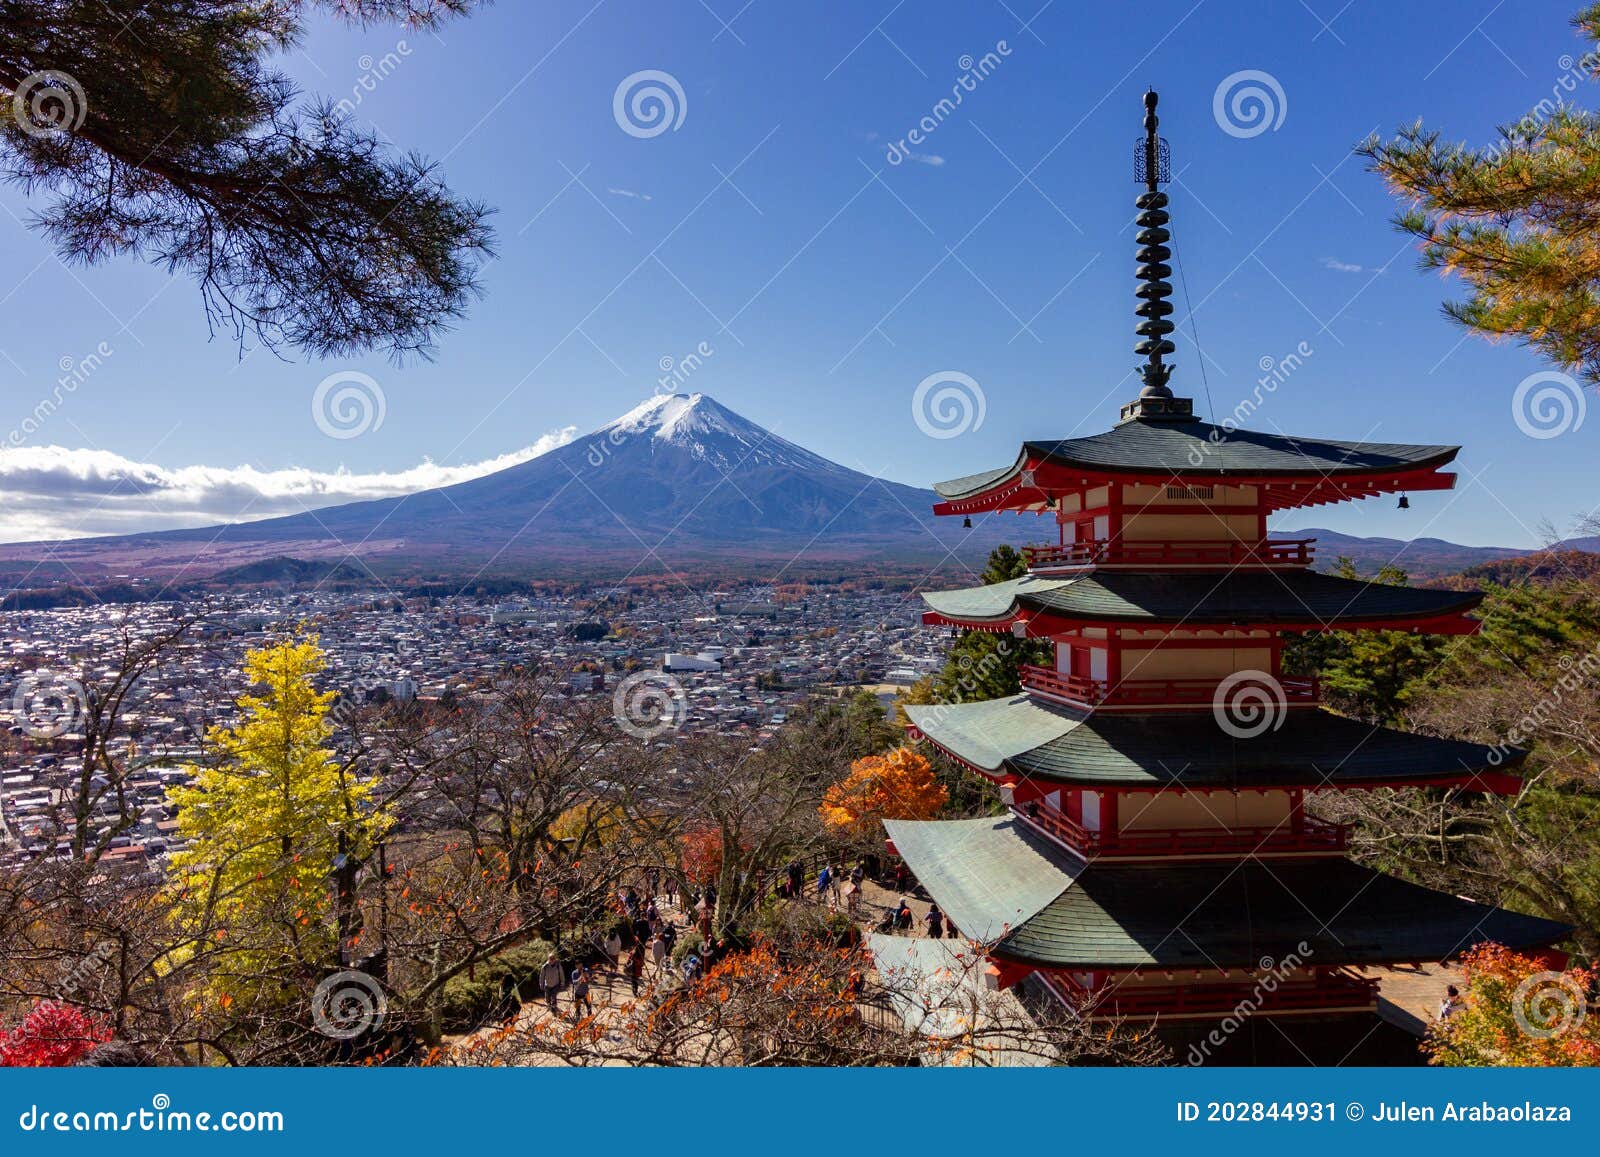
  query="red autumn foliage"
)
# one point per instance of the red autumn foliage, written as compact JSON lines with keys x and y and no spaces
{"x":52,"y":1035}
{"x":702,"y":855}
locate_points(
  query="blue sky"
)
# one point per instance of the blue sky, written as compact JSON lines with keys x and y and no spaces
{"x":771,"y":226}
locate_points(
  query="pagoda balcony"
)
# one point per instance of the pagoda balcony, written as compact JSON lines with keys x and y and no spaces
{"x":1328,"y":991}
{"x":1146,"y":694}
{"x":1311,"y":837}
{"x":1200,"y":553}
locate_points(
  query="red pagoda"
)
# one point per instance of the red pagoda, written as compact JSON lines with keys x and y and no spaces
{"x":1157,"y":858}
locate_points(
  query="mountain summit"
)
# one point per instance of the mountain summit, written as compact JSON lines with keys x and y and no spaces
{"x":679,"y":480}
{"x":711,"y":432}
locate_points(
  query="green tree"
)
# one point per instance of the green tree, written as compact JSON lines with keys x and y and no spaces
{"x":1514,"y":220}
{"x":158,"y":128}
{"x":275,"y":830}
{"x":1368,"y":674}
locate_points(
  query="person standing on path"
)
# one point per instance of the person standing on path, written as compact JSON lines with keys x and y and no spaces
{"x":550,"y":978}
{"x":935,"y":922}
{"x":824,"y":882}
{"x":658,"y":952}
{"x":580,"y":991}
{"x":636,"y":966}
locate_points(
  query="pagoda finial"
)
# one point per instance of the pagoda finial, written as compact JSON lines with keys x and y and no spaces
{"x":1152,"y":166}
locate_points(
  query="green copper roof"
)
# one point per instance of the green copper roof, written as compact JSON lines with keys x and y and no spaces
{"x":1239,"y":596}
{"x":996,"y":600}
{"x":990,"y":875}
{"x":990,"y":733}
{"x":1202,"y":449}
{"x":985,"y":874}
{"x":1310,"y":748}
{"x":1230,"y":915}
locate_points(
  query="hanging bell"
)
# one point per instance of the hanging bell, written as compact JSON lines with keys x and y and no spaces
{"x":1404,"y":503}
{"x":966,"y":523}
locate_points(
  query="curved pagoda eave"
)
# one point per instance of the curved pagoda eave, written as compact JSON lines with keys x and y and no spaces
{"x":1293,"y":472}
{"x":1041,"y":746}
{"x":1295,"y":600}
{"x":1008,"y":887}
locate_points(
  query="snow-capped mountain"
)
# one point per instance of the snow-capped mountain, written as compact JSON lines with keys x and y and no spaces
{"x":678,"y":480}
{"x":712,"y":433}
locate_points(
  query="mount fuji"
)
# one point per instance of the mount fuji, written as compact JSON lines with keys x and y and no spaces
{"x":679,"y":481}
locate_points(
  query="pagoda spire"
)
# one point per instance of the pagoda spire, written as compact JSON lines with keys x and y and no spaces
{"x":1151,"y":166}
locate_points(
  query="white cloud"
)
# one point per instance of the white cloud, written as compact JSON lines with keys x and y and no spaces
{"x":1338,"y":266}
{"x":933,"y":159}
{"x":50,"y":492}
{"x":629,"y":193}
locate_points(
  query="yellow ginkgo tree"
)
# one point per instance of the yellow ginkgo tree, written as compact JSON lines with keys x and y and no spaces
{"x":275,"y":829}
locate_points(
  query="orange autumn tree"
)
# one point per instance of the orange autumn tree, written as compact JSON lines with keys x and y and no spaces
{"x":897,"y":786}
{"x":1516,"y":1011}
{"x":701,"y":855}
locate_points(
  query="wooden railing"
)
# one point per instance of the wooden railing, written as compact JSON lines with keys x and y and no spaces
{"x":1089,"y":692}
{"x":1219,"y":552}
{"x":1312,"y":835}
{"x":1330,"y":990}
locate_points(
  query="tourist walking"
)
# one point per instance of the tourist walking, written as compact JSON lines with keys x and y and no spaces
{"x":824,"y":882}
{"x":1450,"y":1003}
{"x":580,"y":991}
{"x":550,"y":979}
{"x":614,"y":949}
{"x":658,"y":951}
{"x":636,"y":966}
{"x":935,"y":922}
